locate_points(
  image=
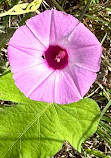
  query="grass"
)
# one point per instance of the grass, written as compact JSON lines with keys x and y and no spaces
{"x":95,"y":14}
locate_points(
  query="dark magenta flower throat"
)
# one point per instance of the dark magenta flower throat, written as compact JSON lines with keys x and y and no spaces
{"x":56,"y":57}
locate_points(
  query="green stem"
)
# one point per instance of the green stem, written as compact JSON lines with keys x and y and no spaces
{"x":106,"y":107}
{"x":96,"y":153}
{"x":57,"y":5}
{"x":104,"y":38}
{"x":98,"y":19}
{"x":84,"y":10}
{"x":99,"y":132}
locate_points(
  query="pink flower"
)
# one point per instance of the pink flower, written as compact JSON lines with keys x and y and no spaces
{"x":54,"y":58}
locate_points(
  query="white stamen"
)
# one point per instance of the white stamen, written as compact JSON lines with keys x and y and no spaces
{"x":58,"y":60}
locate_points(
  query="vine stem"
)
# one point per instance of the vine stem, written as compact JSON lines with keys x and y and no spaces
{"x":106,"y":107}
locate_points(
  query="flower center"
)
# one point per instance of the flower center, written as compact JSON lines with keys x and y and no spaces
{"x":56,"y":57}
{"x":60,"y":56}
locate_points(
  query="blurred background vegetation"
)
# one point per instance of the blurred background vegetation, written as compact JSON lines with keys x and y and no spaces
{"x":96,"y":15}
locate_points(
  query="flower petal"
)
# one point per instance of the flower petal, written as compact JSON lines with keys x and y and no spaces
{"x":81,"y":37}
{"x":67,"y":89}
{"x":58,"y":87}
{"x":61,"y":26}
{"x":24,"y":38}
{"x":29,"y":79}
{"x":40,"y":26}
{"x":82,"y":78}
{"x":88,"y":57}
{"x":23,"y":58}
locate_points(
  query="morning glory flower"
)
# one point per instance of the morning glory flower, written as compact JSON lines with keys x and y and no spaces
{"x":54,"y":58}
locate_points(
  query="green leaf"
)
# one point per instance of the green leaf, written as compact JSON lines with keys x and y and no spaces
{"x":8,"y":90}
{"x":32,"y":129}
{"x":23,"y":8}
{"x":38,"y":129}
